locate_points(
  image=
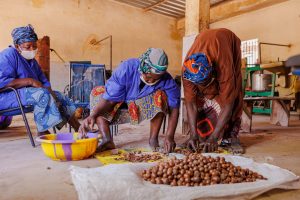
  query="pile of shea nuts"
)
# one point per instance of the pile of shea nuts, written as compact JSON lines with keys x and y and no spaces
{"x":140,"y":157}
{"x":198,"y":170}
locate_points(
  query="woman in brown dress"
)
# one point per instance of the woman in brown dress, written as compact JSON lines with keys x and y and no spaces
{"x":212,"y":83}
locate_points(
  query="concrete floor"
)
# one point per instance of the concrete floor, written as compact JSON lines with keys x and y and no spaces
{"x":25,"y":173}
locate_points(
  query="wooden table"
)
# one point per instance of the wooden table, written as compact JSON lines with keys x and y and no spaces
{"x":280,"y":111}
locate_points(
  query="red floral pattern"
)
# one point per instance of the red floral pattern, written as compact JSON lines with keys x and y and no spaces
{"x":133,"y":112}
{"x":98,"y":90}
{"x":95,"y":98}
{"x":160,"y":99}
{"x":116,"y":108}
{"x":138,"y":110}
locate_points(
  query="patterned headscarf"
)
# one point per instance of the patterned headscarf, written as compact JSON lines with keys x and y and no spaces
{"x":24,"y":34}
{"x":197,"y":68}
{"x":154,"y":60}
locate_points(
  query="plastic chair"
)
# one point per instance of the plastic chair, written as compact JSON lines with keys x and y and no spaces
{"x":21,"y":110}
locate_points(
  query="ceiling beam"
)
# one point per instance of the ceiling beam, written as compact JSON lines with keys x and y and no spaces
{"x":233,"y":8}
{"x":177,"y":15}
{"x":178,"y":2}
{"x":197,"y":16}
{"x":166,"y":14}
{"x":180,"y":7}
{"x":172,"y":9}
{"x":204,"y":15}
{"x":154,"y":5}
{"x":134,"y":3}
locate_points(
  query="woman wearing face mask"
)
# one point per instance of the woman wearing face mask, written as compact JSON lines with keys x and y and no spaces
{"x":149,"y":91}
{"x":19,"y":69}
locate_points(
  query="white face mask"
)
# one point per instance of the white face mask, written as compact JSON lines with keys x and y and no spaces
{"x":150,"y":84}
{"x":28,"y":54}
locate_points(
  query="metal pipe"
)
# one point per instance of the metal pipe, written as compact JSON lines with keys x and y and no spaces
{"x":103,"y":39}
{"x":110,"y":51}
{"x":53,"y":50}
{"x":23,"y":114}
{"x":273,"y":44}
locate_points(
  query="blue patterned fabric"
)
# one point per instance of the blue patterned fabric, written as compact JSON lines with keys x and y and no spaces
{"x":197,"y":68}
{"x":154,"y":60}
{"x":24,"y":34}
{"x":47,"y":112}
{"x":149,"y":106}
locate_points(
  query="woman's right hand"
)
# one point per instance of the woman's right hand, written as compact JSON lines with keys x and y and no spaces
{"x":87,"y":125}
{"x":35,"y":83}
{"x":194,"y":142}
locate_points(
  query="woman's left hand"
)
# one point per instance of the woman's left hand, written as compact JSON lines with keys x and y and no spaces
{"x":87,"y":125}
{"x":210,"y":145}
{"x":35,"y":83}
{"x":169,"y":145}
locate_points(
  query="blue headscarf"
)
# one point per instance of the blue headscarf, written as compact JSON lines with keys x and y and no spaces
{"x":154,"y":60}
{"x":197,"y":68}
{"x":24,"y":34}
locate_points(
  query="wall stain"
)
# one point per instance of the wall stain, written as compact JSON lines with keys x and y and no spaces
{"x":77,"y":2}
{"x":91,"y":4}
{"x":91,"y":43}
{"x":175,"y":33}
{"x":37,"y":3}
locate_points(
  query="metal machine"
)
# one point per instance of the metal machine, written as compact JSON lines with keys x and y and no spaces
{"x":258,"y":79}
{"x":83,"y":78}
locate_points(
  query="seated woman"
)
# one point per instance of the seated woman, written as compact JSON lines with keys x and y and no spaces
{"x":19,"y":69}
{"x":150,"y":93}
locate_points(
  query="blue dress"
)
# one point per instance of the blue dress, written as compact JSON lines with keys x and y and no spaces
{"x":123,"y":86}
{"x":14,"y":66}
{"x":47,"y":112}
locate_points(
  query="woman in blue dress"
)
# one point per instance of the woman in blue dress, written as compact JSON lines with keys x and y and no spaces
{"x":147,"y":89}
{"x":20,"y":70}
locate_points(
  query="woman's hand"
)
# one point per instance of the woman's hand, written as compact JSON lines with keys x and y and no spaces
{"x":24,"y":82}
{"x":210,"y":146}
{"x":194,"y":142}
{"x":169,"y":145}
{"x":35,"y":83}
{"x":87,"y":125}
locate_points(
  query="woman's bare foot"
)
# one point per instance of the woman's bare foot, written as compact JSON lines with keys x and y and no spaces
{"x":104,"y":146}
{"x":236,"y":147}
{"x":43,"y":133}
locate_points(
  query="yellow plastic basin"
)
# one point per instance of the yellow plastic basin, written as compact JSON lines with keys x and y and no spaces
{"x":66,"y":147}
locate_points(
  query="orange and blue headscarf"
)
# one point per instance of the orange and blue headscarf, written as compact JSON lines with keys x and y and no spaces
{"x":154,"y":60}
{"x":197,"y":68}
{"x":24,"y":34}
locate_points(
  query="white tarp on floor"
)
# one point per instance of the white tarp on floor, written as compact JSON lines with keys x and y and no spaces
{"x":122,"y":181}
